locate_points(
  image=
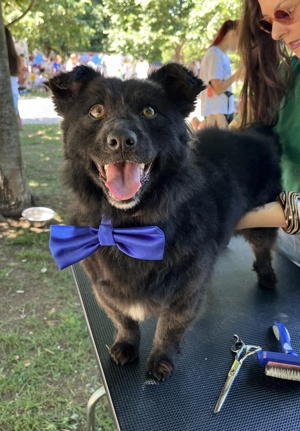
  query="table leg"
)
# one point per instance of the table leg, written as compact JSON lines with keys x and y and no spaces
{"x":97,"y":395}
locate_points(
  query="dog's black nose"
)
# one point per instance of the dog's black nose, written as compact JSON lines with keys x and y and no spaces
{"x":121,"y":139}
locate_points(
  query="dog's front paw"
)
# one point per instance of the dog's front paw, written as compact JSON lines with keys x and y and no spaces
{"x":160,"y":367}
{"x":122,"y":352}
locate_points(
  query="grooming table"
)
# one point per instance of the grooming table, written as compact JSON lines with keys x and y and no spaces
{"x":185,"y":402}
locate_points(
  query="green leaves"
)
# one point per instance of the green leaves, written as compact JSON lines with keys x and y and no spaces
{"x":62,"y":26}
{"x":165,"y":29}
{"x":156,"y":29}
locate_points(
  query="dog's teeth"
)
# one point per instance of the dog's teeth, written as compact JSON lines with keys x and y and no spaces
{"x":142,"y":168}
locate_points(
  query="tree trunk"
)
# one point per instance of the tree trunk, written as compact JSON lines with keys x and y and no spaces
{"x":15,"y":194}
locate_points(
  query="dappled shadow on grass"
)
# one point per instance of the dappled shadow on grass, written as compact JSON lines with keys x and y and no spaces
{"x":43,"y":159}
{"x":20,"y":231}
{"x":47,"y":365}
{"x":14,"y":227}
{"x":39,"y":134}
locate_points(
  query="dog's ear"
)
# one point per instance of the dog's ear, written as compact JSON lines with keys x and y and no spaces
{"x":68,"y":85}
{"x":180,"y":84}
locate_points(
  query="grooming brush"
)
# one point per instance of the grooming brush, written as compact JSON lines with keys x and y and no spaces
{"x":285,"y":365}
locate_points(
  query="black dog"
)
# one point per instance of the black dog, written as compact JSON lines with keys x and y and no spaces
{"x":129,"y":158}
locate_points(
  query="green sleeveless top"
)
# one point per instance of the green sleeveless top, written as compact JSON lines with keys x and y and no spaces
{"x":288,"y":130}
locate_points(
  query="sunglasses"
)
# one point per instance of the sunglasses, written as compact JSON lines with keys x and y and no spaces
{"x":282,"y":16}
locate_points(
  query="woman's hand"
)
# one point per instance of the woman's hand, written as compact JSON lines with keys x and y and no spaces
{"x":214,"y":120}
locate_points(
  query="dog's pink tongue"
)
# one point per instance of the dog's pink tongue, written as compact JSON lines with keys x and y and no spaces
{"x":123,"y":179}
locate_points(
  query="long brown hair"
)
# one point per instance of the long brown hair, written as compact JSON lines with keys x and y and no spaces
{"x":13,"y":58}
{"x":267,"y":69}
{"x":223,"y":30}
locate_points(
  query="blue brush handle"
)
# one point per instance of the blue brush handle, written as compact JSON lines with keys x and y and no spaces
{"x":283,"y":336}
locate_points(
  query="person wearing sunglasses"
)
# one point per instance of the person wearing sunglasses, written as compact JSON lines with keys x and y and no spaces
{"x":269,"y":44}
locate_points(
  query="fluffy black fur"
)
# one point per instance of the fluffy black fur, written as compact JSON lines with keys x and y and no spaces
{"x":195,"y":190}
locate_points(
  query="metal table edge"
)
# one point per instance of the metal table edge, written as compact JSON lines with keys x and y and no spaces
{"x":74,"y":273}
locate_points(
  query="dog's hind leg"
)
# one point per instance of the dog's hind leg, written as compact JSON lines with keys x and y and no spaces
{"x":262,"y":240}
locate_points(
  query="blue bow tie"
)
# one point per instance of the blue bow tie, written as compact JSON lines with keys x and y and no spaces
{"x":70,"y":244}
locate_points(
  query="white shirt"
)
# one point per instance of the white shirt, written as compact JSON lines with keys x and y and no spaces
{"x":141,"y":69}
{"x":215,"y":64}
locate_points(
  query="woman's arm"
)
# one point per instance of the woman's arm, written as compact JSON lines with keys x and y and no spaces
{"x":214,"y":120}
{"x":220,"y":86}
{"x":284,"y":213}
{"x":270,"y":215}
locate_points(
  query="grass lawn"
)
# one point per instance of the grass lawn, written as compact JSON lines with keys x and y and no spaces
{"x":47,"y":365}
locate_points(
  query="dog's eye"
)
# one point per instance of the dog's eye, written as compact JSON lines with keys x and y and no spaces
{"x":97,"y":111}
{"x":148,"y":112}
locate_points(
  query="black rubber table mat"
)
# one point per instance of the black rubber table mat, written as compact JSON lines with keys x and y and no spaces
{"x":185,"y":402}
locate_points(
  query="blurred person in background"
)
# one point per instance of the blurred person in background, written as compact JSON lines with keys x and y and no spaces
{"x":141,"y":68}
{"x":216,"y":73}
{"x":23,"y":73}
{"x":72,"y":62}
{"x":56,"y":65}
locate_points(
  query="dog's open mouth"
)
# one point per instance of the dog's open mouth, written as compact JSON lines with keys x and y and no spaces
{"x":124,"y":179}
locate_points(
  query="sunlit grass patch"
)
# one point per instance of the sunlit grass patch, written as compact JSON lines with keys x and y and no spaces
{"x":40,"y":134}
{"x":47,"y":365}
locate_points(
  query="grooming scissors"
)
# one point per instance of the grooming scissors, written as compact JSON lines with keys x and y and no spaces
{"x":242,"y":351}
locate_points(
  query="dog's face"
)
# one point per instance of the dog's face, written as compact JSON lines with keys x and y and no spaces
{"x":119,"y":132}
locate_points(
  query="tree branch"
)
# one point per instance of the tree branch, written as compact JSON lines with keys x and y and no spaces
{"x":32,"y":3}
